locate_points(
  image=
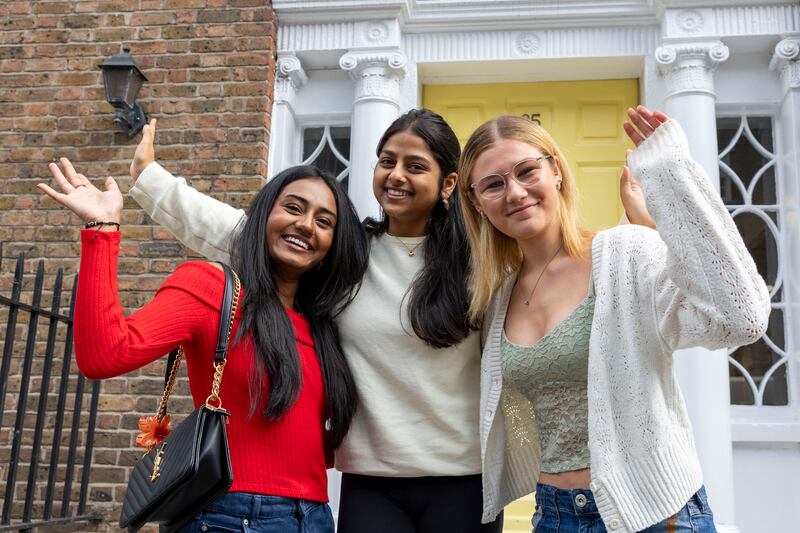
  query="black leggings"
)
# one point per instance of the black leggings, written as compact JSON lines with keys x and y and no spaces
{"x":453,"y":504}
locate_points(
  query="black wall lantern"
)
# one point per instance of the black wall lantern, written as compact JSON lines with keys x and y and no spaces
{"x":123,"y":78}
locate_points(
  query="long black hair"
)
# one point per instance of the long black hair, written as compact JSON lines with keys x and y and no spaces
{"x":438,"y":305}
{"x":322,"y":293}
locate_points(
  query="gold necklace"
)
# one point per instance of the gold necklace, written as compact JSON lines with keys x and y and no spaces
{"x":527,"y":301}
{"x":410,"y":250}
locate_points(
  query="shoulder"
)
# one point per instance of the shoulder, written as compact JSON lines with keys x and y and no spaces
{"x":499,"y":301}
{"x":201,"y":279}
{"x":193,"y":271}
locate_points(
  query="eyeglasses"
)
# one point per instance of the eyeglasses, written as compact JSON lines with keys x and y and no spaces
{"x":525,"y":172}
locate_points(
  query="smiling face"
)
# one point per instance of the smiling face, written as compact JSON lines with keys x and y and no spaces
{"x":523,"y":212}
{"x":406,"y":183}
{"x":301,"y":226}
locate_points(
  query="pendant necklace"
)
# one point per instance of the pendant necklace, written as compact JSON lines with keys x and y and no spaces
{"x":527,"y":300}
{"x":409,"y":250}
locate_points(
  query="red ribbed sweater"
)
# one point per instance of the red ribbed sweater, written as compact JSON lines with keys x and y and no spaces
{"x":279,"y":458}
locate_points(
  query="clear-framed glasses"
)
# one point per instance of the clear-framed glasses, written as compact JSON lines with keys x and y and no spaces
{"x":525,"y":172}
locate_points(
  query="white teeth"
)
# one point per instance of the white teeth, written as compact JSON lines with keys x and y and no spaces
{"x":295,"y":240}
{"x":397,"y":193}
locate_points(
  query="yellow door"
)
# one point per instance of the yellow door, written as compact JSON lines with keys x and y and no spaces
{"x":585,"y":117}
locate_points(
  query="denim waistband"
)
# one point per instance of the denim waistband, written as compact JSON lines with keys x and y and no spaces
{"x":254,"y":506}
{"x":576,"y":501}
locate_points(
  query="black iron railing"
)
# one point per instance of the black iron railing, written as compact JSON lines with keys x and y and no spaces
{"x":60,"y":473}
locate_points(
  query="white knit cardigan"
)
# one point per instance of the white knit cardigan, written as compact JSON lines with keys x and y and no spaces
{"x":692,"y":283}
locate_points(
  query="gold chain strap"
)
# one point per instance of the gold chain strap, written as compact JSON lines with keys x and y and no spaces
{"x":219,"y":368}
{"x":173,"y":375}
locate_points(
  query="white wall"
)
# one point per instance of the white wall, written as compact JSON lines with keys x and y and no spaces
{"x":766,"y":477}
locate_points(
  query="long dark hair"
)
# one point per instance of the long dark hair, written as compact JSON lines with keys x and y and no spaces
{"x":321,"y":295}
{"x":438,"y":305}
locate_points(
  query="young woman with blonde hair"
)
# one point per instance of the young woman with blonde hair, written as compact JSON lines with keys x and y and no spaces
{"x":580,"y":328}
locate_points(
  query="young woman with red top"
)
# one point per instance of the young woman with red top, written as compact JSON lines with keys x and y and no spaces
{"x":300,"y":257}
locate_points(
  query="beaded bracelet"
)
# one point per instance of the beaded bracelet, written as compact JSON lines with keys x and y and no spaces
{"x":98,"y":224}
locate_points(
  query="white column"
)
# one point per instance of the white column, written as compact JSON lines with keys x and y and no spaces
{"x":283,"y":151}
{"x":375,"y":105}
{"x":703,"y":374}
{"x":786,"y":63}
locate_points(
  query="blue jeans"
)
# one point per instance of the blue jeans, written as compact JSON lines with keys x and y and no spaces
{"x":575,"y":511}
{"x":244,"y":512}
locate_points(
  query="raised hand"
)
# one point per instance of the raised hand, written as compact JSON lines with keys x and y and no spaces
{"x":145,"y":152}
{"x":81,"y":197}
{"x":632,"y":196}
{"x":643,"y":123}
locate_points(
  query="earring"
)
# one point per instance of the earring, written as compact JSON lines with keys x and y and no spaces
{"x":446,"y":203}
{"x":481,"y":213}
{"x":319,"y":266}
{"x":558,"y":185}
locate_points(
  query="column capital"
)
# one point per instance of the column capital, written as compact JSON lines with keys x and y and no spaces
{"x":786,"y":61}
{"x":689,"y":67}
{"x":290,"y":77}
{"x":377,"y":74}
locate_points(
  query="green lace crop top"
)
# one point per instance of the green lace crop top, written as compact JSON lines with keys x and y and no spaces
{"x":552,"y":374}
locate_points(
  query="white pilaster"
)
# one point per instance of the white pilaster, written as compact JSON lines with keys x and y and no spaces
{"x":689,"y":69}
{"x":703,"y":374}
{"x":290,"y":77}
{"x":376,"y":104}
{"x":786,"y":64}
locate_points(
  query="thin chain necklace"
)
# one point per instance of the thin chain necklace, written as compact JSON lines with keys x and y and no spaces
{"x":527,"y":300}
{"x":409,"y":250}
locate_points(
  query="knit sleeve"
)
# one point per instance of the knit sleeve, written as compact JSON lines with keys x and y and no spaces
{"x":109,"y":344}
{"x":706,"y":290}
{"x":200,"y":222}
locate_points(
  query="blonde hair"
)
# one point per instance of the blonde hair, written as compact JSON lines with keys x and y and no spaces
{"x":495,"y":256}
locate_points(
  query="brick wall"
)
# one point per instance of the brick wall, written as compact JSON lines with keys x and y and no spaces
{"x":210,"y":65}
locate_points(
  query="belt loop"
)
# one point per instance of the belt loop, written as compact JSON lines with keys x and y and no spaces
{"x":255,"y":507}
{"x":701,"y":500}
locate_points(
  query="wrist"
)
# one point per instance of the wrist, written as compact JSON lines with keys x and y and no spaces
{"x":103,"y":224}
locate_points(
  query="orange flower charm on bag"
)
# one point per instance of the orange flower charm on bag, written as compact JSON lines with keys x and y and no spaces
{"x":153,"y":431}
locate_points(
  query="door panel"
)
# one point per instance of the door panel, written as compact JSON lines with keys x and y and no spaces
{"x":585,"y":117}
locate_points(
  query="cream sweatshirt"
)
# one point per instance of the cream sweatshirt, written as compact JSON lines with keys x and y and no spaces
{"x":418,"y":406}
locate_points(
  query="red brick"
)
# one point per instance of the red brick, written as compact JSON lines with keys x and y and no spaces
{"x":81,"y":21}
{"x":52,"y":7}
{"x":55,"y":36}
{"x":225,"y":16}
{"x":146,"y":34}
{"x":182,"y":4}
{"x":212,"y":93}
{"x":112,"y":34}
{"x":17,"y":23}
{"x":156,"y":18}
{"x":203,"y":46}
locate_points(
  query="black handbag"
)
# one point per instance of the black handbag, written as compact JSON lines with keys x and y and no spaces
{"x":177,"y":478}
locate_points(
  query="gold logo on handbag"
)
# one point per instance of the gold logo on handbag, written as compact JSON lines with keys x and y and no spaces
{"x":157,"y":463}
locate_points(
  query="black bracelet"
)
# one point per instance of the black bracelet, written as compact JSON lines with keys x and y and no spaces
{"x":98,"y":224}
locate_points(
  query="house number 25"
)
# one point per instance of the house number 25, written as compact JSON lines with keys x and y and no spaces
{"x":533,"y":117}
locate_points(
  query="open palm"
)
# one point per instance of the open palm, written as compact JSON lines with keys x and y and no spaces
{"x":81,"y":197}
